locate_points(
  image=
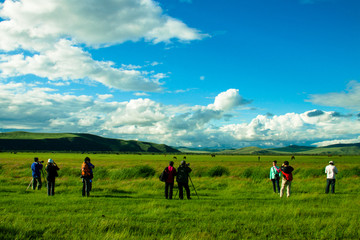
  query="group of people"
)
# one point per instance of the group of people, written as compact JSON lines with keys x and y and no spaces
{"x":170,"y":172}
{"x":51,"y":170}
{"x":182,"y":179}
{"x":286,"y":172}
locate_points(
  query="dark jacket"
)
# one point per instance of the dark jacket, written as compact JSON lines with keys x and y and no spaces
{"x":51,"y":170}
{"x":287,"y":172}
{"x":182,"y":175}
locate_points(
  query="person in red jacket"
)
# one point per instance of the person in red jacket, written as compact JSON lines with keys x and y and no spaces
{"x":169,"y":182}
{"x":286,"y":171}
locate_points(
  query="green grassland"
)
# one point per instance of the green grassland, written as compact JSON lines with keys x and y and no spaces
{"x":127,"y":201}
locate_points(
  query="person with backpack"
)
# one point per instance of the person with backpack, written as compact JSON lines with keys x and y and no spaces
{"x":182,"y":178}
{"x":170,"y":173}
{"x":36,"y":168}
{"x":275,"y":176}
{"x":51,"y":169}
{"x":286,"y":171}
{"x":87,"y":176}
{"x":330,"y":171}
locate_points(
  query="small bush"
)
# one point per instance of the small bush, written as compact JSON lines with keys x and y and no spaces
{"x":134,"y":172}
{"x":218,"y":171}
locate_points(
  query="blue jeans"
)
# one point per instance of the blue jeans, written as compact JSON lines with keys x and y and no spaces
{"x":330,"y":182}
{"x":276,"y":185}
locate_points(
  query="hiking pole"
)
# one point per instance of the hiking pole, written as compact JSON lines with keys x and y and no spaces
{"x":193,"y":186}
{"x":30,"y":184}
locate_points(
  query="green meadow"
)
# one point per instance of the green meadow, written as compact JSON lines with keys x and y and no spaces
{"x":235,"y":199}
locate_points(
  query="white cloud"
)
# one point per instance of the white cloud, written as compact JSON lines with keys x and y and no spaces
{"x":46,"y":38}
{"x":228,"y":100}
{"x":349,"y":99}
{"x":337,"y":141}
{"x":27,"y":107}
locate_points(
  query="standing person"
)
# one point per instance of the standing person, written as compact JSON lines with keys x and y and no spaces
{"x":169,"y":182}
{"x":86,"y":175}
{"x":275,"y":176}
{"x":36,"y":168}
{"x":182,"y":178}
{"x":286,"y":171}
{"x":330,"y":171}
{"x":51,"y":169}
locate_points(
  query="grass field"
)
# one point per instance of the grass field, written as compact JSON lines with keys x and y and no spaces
{"x":127,"y":203}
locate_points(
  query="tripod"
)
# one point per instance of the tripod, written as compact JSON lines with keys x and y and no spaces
{"x":193,"y":187}
{"x":30,"y":184}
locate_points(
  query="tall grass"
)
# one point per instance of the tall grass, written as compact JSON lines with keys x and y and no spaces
{"x":127,"y":201}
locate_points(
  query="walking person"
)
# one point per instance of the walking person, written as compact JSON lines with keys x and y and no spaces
{"x":169,"y":182}
{"x":51,"y":169}
{"x":182,"y":178}
{"x":86,"y":175}
{"x":275,"y":176}
{"x":36,"y":168}
{"x":330,"y":171}
{"x":286,"y":171}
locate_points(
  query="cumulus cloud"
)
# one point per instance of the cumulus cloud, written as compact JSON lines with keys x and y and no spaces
{"x":46,"y":38}
{"x":337,"y":141}
{"x":228,"y":100}
{"x":294,"y":127}
{"x":349,"y":99}
{"x":26,"y":106}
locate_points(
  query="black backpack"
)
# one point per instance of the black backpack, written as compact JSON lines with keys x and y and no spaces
{"x":163,"y":176}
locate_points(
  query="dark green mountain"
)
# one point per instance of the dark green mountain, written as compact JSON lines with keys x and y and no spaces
{"x":74,"y":142}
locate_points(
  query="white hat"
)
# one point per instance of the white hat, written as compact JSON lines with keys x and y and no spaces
{"x":50,"y":160}
{"x":331,"y":162}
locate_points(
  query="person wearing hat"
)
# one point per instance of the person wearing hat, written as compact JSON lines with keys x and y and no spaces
{"x":51,"y":169}
{"x":182,"y":178}
{"x":330,"y":171}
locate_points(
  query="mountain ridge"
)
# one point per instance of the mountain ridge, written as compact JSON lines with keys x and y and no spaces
{"x":75,"y":142}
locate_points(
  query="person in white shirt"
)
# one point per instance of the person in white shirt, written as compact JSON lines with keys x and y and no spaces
{"x":330,"y":171}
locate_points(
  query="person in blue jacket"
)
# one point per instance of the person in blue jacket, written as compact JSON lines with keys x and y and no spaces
{"x":36,"y":173}
{"x":275,"y":176}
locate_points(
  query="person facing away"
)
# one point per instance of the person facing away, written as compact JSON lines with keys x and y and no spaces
{"x":286,"y":171}
{"x":275,"y":176}
{"x":36,"y":168}
{"x":51,"y":169}
{"x":86,"y":175}
{"x":169,"y":182}
{"x":182,"y":178}
{"x":330,"y":171}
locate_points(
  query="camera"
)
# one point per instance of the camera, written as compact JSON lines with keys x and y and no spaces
{"x":41,"y":161}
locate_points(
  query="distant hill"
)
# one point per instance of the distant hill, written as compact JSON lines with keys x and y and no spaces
{"x":245,"y":151}
{"x":25,"y":141}
{"x":337,"y":149}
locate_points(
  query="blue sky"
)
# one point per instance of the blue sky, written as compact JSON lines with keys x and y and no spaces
{"x":195,"y":73}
